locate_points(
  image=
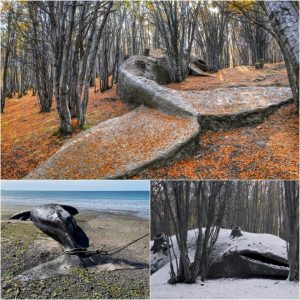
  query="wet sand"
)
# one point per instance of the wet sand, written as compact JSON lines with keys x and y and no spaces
{"x":24,"y":246}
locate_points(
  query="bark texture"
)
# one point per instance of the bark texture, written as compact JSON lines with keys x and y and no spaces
{"x":284,"y":18}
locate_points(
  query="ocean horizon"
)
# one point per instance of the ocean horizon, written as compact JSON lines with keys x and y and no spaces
{"x":134,"y":202}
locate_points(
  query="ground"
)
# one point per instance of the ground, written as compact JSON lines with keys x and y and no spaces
{"x":116,"y":148}
{"x":271,"y":75}
{"x":268,"y":150}
{"x":262,"y":151}
{"x":28,"y":137}
{"x":227,"y":289}
{"x":24,"y":246}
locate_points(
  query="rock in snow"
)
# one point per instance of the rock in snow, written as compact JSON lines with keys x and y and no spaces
{"x":252,"y":252}
{"x":249,"y":255}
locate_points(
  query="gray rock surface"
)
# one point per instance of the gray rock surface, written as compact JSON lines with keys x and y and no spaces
{"x":120,"y":147}
{"x":125,"y":145}
{"x":196,"y":71}
{"x":140,"y":80}
{"x":225,"y":108}
{"x":218,"y":109}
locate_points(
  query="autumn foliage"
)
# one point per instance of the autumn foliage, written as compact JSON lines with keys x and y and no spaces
{"x":28,"y":137}
{"x":265,"y":151}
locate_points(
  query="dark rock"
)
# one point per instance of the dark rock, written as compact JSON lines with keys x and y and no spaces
{"x":146,"y":52}
{"x":196,"y":61}
{"x":196,"y":71}
{"x":159,"y":244}
{"x":236,"y":232}
{"x":245,"y":264}
{"x":199,"y":63}
{"x":259,"y":64}
{"x":240,"y":257}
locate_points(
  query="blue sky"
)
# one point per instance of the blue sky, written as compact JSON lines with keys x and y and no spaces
{"x":75,"y":185}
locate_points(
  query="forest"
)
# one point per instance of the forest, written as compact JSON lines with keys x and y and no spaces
{"x":61,"y":55}
{"x":64,"y":46}
{"x":182,"y":208}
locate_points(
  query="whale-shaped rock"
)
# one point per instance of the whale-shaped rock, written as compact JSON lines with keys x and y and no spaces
{"x":251,"y":255}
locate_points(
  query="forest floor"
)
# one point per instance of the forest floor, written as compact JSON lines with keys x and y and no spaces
{"x":272,"y":75}
{"x":268,"y":150}
{"x":28,"y":137}
{"x":24,"y":246}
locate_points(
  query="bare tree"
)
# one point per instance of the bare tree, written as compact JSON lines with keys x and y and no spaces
{"x":284,"y":18}
{"x":7,"y":45}
{"x":291,"y":190}
{"x":69,"y":53}
{"x":174,"y":201}
{"x":41,"y":60}
{"x":176,"y":22}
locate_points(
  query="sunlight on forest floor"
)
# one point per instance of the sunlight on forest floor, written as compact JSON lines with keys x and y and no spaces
{"x":271,"y":75}
{"x":28,"y":137}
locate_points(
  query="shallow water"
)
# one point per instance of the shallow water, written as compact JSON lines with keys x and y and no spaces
{"x":135,"y":202}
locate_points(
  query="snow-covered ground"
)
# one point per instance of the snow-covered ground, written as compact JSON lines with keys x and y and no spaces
{"x":230,"y":288}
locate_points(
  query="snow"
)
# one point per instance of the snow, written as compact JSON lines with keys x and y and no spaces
{"x":259,"y":242}
{"x":231,"y":288}
{"x":159,"y":259}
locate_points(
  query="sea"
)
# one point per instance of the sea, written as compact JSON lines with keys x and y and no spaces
{"x":133,"y":202}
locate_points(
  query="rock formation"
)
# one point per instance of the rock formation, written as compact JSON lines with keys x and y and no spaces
{"x":245,"y":256}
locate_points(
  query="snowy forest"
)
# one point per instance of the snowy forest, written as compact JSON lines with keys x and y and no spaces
{"x":242,"y":216}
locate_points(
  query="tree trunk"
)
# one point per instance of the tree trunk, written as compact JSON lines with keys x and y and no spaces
{"x":291,"y":189}
{"x":284,"y":18}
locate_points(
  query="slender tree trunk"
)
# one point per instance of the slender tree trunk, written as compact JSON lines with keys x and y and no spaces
{"x":284,"y":17}
{"x":6,"y":57}
{"x":291,"y":189}
{"x":90,"y":65}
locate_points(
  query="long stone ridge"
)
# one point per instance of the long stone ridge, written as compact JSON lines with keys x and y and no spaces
{"x":218,"y":109}
{"x":139,"y":82}
{"x":120,"y":147}
{"x":166,"y":122}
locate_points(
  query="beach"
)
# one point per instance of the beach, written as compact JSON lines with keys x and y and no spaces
{"x":24,"y":246}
